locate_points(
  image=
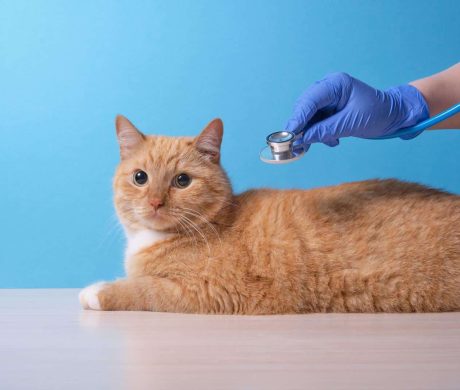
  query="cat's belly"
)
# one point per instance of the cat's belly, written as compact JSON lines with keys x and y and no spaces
{"x":380,"y":290}
{"x":354,"y":291}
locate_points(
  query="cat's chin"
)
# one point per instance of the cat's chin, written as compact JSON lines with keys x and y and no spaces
{"x":150,"y":227}
{"x":158,"y":223}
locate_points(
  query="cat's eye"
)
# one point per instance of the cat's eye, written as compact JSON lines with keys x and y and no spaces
{"x":182,"y":180}
{"x":140,"y":178}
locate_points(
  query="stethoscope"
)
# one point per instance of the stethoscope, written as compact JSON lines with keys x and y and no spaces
{"x":279,"y":149}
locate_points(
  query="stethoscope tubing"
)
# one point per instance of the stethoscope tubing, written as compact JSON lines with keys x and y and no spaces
{"x":425,"y":124}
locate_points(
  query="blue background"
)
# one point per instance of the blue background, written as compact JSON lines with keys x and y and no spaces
{"x":67,"y":68}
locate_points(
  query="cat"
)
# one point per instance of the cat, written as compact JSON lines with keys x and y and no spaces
{"x":195,"y":247}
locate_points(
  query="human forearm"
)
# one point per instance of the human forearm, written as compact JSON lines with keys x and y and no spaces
{"x":441,"y":91}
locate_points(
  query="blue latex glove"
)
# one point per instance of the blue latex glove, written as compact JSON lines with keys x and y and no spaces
{"x":342,"y":106}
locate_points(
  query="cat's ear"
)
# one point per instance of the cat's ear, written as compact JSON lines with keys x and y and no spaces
{"x":210,"y":139}
{"x":128,"y":136}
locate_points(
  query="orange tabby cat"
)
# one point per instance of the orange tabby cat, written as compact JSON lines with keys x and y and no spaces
{"x":195,"y":247}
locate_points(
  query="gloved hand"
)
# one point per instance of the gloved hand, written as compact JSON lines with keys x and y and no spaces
{"x":342,"y":106}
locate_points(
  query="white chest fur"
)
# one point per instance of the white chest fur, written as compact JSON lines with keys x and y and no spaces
{"x":141,"y":239}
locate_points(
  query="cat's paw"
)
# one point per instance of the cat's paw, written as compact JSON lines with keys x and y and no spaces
{"x":89,"y":296}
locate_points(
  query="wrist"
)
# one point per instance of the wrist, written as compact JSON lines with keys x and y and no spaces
{"x":412,"y":104}
{"x":426,"y":90}
{"x":440,"y":90}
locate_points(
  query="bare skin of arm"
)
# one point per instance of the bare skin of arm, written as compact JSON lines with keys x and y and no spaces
{"x":441,"y":91}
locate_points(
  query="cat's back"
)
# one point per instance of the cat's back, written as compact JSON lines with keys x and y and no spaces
{"x":387,"y":210}
{"x":386,"y":199}
{"x":348,"y":199}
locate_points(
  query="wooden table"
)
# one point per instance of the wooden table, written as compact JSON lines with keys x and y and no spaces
{"x":48,"y":342}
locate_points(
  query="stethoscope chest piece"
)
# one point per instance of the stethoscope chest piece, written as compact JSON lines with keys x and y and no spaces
{"x":280,"y":148}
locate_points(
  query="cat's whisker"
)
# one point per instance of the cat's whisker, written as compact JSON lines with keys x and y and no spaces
{"x":187,"y":230}
{"x":111,"y":233}
{"x":194,"y":226}
{"x":203,"y":218}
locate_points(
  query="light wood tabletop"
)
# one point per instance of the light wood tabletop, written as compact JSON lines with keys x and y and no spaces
{"x":48,"y":342}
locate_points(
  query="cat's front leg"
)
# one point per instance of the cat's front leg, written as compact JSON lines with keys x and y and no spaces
{"x":118,"y":295}
{"x":138,"y":293}
{"x":89,"y":298}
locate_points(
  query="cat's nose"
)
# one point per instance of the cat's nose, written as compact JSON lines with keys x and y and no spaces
{"x":156,"y":203}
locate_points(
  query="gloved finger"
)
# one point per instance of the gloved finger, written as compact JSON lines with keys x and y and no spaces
{"x":329,"y":142}
{"x":298,"y":146}
{"x":326,"y":131}
{"x":332,"y":142}
{"x":320,"y":95}
{"x":303,"y":112}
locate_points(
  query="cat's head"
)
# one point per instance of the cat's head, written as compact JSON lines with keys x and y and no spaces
{"x":168,"y":183}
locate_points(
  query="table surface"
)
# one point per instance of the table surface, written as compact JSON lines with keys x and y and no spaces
{"x":48,"y":342}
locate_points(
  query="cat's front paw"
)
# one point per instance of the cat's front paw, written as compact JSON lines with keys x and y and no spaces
{"x":89,"y":296}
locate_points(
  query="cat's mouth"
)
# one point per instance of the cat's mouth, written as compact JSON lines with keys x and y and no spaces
{"x":157,"y":218}
{"x":156,"y":214}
